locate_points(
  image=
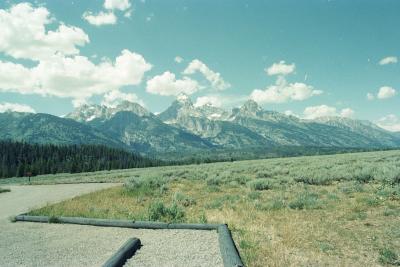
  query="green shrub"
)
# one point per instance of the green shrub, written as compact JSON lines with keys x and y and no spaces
{"x":184,"y":200}
{"x":364,"y":175}
{"x":254,"y":195}
{"x":371,"y":201}
{"x":388,"y":256}
{"x":263,"y":174}
{"x":203,"y":217}
{"x":276,"y":203}
{"x":391,"y":212}
{"x":306,"y":200}
{"x":218,"y":202}
{"x":242,"y":180}
{"x":260,"y":184}
{"x":351,"y":187}
{"x":157,"y":211}
{"x":314,"y":180}
{"x":325,"y":246}
{"x":391,"y":192}
{"x":393,"y":178}
{"x":213,"y":189}
{"x":214,"y":181}
{"x":146,"y":185}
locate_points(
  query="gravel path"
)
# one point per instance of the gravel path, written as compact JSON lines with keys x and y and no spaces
{"x":37,"y":244}
{"x":40,"y":244}
{"x":177,"y":248}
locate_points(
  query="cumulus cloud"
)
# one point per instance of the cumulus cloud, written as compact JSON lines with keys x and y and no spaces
{"x":113,"y":98}
{"x":290,"y":113}
{"x":166,"y":84}
{"x":281,"y":68}
{"x":117,"y":4}
{"x":5,"y":107}
{"x":325,"y":111}
{"x":386,"y":92}
{"x":214,"y":78}
{"x":370,"y":96}
{"x":347,"y":113}
{"x":388,"y":60}
{"x":102,"y":18}
{"x":178,"y":59}
{"x":23,"y":34}
{"x":74,"y":77}
{"x":282,"y":92}
{"x":108,"y":17}
{"x":59,"y":71}
{"x":390,"y":122}
{"x":208,"y":100}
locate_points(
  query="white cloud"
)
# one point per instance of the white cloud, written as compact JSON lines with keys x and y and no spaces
{"x":388,"y":60}
{"x":108,"y":17}
{"x":290,"y":113}
{"x":166,"y":84}
{"x":386,"y":92}
{"x":79,"y":102}
{"x":101,"y":18}
{"x":23,"y":34}
{"x":281,"y":68}
{"x":214,"y":78}
{"x":370,"y":96}
{"x":74,"y":77}
{"x":5,"y":106}
{"x":347,"y":113}
{"x":390,"y":122}
{"x":60,"y":70}
{"x":11,"y":78}
{"x":113,"y":98}
{"x":282,"y":92}
{"x":319,"y":111}
{"x":208,"y":100}
{"x":178,"y":59}
{"x":128,"y":14}
{"x":117,"y":4}
{"x":326,"y":111}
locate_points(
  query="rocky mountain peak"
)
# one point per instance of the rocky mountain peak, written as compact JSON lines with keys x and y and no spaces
{"x":250,"y":106}
{"x":132,"y":107}
{"x":86,"y":113}
{"x":184,"y":100}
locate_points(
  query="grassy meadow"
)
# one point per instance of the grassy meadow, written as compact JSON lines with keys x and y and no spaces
{"x":337,"y":210}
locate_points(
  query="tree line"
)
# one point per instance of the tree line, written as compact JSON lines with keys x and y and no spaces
{"x":18,"y":159}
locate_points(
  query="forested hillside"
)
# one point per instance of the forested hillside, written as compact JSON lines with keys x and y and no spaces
{"x":17,"y":159}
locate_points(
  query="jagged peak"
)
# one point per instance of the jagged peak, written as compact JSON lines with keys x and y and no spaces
{"x":250,"y":105}
{"x":184,"y":99}
{"x":89,"y":112}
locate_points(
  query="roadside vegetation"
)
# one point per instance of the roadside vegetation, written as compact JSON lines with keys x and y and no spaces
{"x":307,"y":211}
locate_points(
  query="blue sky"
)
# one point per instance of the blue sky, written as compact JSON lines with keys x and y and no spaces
{"x":327,"y":55}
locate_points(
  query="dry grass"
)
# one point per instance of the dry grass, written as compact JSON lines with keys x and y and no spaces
{"x":346,"y":214}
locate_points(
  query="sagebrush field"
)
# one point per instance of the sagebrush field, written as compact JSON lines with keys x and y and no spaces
{"x":306,"y":211}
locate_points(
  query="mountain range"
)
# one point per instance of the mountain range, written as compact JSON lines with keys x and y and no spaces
{"x":186,"y":128}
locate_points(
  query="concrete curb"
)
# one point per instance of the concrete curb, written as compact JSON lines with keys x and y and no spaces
{"x":229,"y":252}
{"x":124,"y":253}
